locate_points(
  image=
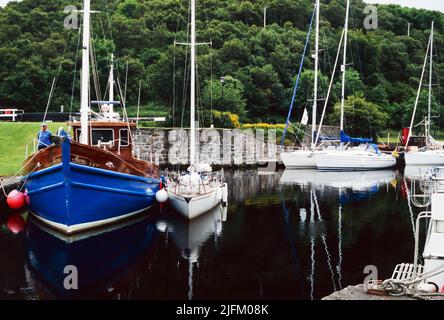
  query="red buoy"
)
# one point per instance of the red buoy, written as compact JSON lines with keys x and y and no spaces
{"x":16,"y":223}
{"x":15,"y":199}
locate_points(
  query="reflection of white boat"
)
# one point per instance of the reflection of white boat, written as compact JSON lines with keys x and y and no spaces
{"x":411,"y":172}
{"x":189,"y":235}
{"x":361,"y":180}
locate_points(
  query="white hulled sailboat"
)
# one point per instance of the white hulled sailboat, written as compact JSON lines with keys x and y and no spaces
{"x":432,"y":153}
{"x":363,"y":157}
{"x":303,"y":158}
{"x":198,"y":190}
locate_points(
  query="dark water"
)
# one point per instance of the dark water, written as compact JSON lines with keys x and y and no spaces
{"x":289,"y":235}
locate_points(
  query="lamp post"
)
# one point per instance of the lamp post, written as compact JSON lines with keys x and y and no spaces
{"x":222,"y":82}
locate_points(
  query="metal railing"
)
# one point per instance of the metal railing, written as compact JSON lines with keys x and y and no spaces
{"x":11,"y":113}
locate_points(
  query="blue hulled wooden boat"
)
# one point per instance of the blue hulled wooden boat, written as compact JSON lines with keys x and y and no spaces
{"x":91,"y":179}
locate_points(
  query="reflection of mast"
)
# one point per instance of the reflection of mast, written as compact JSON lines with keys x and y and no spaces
{"x":339,"y":265}
{"x":412,"y":219}
{"x":291,"y":237}
{"x":312,"y":268}
{"x":314,"y":201}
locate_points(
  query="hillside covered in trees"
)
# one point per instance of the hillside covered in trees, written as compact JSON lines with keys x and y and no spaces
{"x":258,"y":64}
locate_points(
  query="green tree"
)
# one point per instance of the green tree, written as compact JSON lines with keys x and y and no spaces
{"x":226,"y":95}
{"x":361,"y":117}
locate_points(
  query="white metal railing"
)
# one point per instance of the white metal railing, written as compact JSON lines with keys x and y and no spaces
{"x":204,"y":179}
{"x":12,"y":114}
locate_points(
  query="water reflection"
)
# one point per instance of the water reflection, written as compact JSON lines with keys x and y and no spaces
{"x":101,"y":256}
{"x":411,"y":172}
{"x":287,"y":235}
{"x":189,"y":235}
{"x":328,"y":193}
{"x":360,"y":180}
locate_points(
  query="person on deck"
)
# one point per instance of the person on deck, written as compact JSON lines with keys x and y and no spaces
{"x":44,"y":137}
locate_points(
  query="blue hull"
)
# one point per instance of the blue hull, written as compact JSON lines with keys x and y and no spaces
{"x":72,"y":197}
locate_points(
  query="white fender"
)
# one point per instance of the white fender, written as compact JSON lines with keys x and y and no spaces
{"x":224,"y":194}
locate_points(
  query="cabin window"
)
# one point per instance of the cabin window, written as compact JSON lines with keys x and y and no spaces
{"x":124,"y":137}
{"x":104,"y":135}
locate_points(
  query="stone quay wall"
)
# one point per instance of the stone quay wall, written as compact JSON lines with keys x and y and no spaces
{"x":225,"y":147}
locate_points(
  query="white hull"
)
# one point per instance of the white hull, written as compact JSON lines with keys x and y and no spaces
{"x":298,"y":159}
{"x":69,"y":230}
{"x":351,"y":160}
{"x":192,"y":206}
{"x":424,"y":158}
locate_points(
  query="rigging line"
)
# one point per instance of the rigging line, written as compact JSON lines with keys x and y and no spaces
{"x":356,"y":44}
{"x":329,"y":87}
{"x":211,"y":62}
{"x":126,"y":79}
{"x":94,"y":68}
{"x":298,"y":77}
{"x":49,"y":99}
{"x":186,"y":70}
{"x":174,"y":85}
{"x":175,"y":64}
{"x":75,"y":72}
{"x":55,"y":80}
{"x":109,"y":20}
{"x":125,"y":115}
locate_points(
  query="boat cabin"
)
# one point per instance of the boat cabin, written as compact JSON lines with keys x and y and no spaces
{"x":112,"y":136}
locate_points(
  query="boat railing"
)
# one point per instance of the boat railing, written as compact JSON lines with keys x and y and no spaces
{"x":205,"y":178}
{"x":421,"y":216}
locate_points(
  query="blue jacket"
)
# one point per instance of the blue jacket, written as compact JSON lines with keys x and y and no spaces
{"x":44,"y":138}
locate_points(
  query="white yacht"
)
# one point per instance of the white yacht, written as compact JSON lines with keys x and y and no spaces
{"x":364,"y":157}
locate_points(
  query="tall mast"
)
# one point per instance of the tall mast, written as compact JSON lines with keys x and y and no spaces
{"x":344,"y":63}
{"x":84,"y":90}
{"x":111,"y":85}
{"x":430,"y":84}
{"x":193,"y":82}
{"x":316,"y":66}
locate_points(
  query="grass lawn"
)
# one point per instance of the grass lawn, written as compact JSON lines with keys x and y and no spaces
{"x":13,"y":139}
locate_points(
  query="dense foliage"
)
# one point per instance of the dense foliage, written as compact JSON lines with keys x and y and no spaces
{"x":258,"y":64}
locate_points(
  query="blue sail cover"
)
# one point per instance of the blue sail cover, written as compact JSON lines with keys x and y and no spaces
{"x":345,"y":138}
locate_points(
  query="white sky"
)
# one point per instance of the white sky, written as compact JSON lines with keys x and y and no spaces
{"x":437,"y":5}
{"x":3,"y":2}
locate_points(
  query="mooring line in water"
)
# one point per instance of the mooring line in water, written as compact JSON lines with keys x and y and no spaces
{"x":412,"y":220}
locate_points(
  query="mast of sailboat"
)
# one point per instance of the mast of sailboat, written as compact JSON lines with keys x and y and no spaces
{"x":111,"y":85}
{"x":418,"y":92}
{"x":428,"y":125}
{"x":84,"y":89}
{"x":193,"y":83}
{"x":344,"y":64}
{"x":316,"y":67}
